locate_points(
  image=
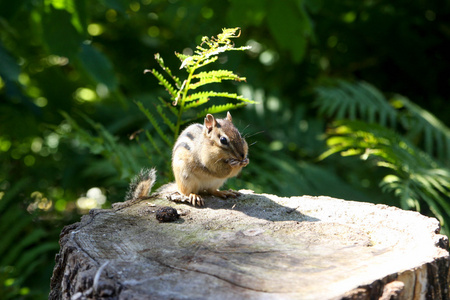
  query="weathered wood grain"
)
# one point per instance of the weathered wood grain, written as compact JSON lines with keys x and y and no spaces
{"x":254,"y":247}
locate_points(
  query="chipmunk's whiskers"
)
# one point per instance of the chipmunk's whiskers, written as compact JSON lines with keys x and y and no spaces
{"x":248,"y":136}
{"x":245,"y":128}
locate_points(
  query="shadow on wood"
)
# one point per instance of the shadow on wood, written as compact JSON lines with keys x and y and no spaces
{"x":254,"y":247}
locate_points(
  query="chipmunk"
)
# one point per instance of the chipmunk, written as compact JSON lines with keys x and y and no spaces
{"x":205,"y":156}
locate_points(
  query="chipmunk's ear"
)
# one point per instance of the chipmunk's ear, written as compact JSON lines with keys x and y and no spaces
{"x":229,"y":118}
{"x":210,"y":122}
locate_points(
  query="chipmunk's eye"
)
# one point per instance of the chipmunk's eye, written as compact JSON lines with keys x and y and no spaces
{"x":223,"y":141}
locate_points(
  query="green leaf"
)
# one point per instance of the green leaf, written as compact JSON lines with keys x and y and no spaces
{"x":418,"y":177}
{"x":222,"y":74}
{"x":98,"y":66}
{"x":160,"y":61}
{"x":202,"y":95}
{"x":74,"y":8}
{"x":418,"y":121}
{"x":355,"y":100}
{"x":196,"y":103}
{"x":169,"y":106}
{"x":17,"y":249}
{"x":182,"y":97}
{"x":204,"y":79}
{"x":330,"y":152}
{"x":15,"y":230}
{"x":61,"y":37}
{"x":215,"y":109}
{"x":162,"y":81}
{"x":290,"y":27}
{"x":152,"y":141}
{"x":200,"y":64}
{"x":155,"y":124}
{"x":166,"y":120}
{"x":34,"y":253}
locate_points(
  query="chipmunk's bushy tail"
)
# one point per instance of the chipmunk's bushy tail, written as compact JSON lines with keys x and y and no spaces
{"x":141,"y":185}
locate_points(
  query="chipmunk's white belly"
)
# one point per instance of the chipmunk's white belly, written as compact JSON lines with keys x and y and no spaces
{"x":211,"y":183}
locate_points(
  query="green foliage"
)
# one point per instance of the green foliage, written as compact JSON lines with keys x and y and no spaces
{"x":420,"y":124}
{"x":363,"y":101}
{"x":358,"y":100}
{"x":171,"y":112}
{"x":105,"y":144}
{"x":25,"y":247}
{"x":415,"y":177}
{"x":181,"y":98}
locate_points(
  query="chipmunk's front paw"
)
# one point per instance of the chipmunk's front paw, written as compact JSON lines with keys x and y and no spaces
{"x":225,"y":194}
{"x":195,"y":199}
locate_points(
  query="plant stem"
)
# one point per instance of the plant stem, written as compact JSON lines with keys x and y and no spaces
{"x":183,"y":99}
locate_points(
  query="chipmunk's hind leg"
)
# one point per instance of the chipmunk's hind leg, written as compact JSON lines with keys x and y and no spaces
{"x":224,"y":194}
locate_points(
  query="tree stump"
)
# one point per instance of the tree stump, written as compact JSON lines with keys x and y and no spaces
{"x":253,"y":247}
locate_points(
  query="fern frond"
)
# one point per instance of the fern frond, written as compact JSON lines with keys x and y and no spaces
{"x":362,"y":101}
{"x":84,"y":137}
{"x":106,"y":144}
{"x":160,"y":61}
{"x":402,"y":189}
{"x":214,"y":76}
{"x":215,"y":109}
{"x":169,"y":106}
{"x":32,"y":267}
{"x":201,"y":95}
{"x":20,"y":235}
{"x":155,"y":124}
{"x":34,"y":253}
{"x":215,"y":46}
{"x":152,"y":141}
{"x":380,"y":141}
{"x":204,"y":81}
{"x":205,"y":62}
{"x":418,"y":121}
{"x":109,"y":139}
{"x":17,"y":249}
{"x":355,"y":100}
{"x":236,"y":96}
{"x":16,"y":224}
{"x":200,"y":98}
{"x":182,"y":98}
{"x":417,"y":176}
{"x":222,"y":74}
{"x":221,"y":43}
{"x":196,"y":103}
{"x":181,"y":56}
{"x":166,"y":120}
{"x":163,"y":81}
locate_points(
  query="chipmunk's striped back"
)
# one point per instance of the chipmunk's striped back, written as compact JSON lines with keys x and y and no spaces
{"x":188,"y":137}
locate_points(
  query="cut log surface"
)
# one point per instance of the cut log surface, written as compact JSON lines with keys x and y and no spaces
{"x":253,"y":247}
